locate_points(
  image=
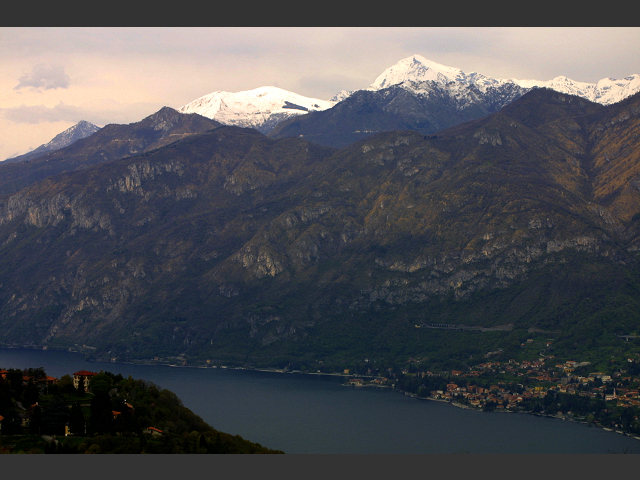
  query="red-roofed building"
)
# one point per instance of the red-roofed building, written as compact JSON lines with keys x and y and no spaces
{"x":82,"y":377}
{"x":154,"y":431}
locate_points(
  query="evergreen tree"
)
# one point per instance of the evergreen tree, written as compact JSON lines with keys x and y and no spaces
{"x":35,"y":421}
{"x":101,"y":419}
{"x":31,"y":393}
{"x":77,"y":422}
{"x":55,"y":415}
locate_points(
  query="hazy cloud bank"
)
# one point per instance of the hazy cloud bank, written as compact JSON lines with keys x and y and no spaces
{"x":37,"y":114}
{"x":44,"y":76}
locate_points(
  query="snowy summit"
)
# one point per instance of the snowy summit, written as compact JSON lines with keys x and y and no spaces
{"x":417,"y":69}
{"x":417,"y":74}
{"x":260,"y":108}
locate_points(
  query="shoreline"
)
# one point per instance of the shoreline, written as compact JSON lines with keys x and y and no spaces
{"x":463,"y":406}
{"x":566,"y":418}
{"x":165,"y":363}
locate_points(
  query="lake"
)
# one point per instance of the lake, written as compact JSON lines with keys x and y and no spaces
{"x":309,"y":414}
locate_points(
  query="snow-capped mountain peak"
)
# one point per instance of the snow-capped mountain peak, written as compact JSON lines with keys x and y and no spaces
{"x":605,"y":91}
{"x":259,"y":108}
{"x":78,"y":131}
{"x":417,"y":74}
{"x":423,"y":77}
{"x":416,"y":68}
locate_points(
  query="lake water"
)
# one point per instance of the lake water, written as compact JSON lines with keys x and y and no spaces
{"x":315,"y":414}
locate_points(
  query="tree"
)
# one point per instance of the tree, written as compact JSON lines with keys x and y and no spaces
{"x":37,"y":373}
{"x":65,"y":384}
{"x":101,"y":383}
{"x":31,"y":393}
{"x":77,"y":422}
{"x":101,"y":413}
{"x":35,"y":421}
{"x":55,"y":415}
{"x":14,"y":377}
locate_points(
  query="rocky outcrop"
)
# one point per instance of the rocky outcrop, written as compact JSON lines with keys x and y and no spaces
{"x":46,"y":211}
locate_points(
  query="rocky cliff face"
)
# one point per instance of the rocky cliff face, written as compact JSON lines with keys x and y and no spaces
{"x":227,"y":243}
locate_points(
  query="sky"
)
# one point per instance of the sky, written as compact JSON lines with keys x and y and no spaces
{"x":53,"y":77}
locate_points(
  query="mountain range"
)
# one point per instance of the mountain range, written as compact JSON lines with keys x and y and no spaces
{"x":416,"y":72}
{"x":414,"y":94}
{"x":204,"y":241}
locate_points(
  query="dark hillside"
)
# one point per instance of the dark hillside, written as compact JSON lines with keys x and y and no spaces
{"x":107,"y":414}
{"x":366,"y":113}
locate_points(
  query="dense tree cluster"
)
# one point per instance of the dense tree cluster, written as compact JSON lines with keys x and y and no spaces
{"x":115,"y":415}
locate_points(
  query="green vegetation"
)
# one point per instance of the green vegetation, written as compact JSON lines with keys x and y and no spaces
{"x":41,"y":414}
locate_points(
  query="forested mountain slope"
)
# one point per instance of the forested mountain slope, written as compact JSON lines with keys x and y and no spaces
{"x":234,"y":246}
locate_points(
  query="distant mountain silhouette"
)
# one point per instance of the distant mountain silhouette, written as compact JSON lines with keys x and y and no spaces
{"x":77,"y":132}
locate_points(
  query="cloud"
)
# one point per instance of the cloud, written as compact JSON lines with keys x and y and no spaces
{"x":39,"y":113}
{"x":44,"y":76}
{"x":325,"y":86}
{"x":102,"y":114}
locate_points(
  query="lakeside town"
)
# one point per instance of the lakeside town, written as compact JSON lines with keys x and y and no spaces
{"x":569,"y":390}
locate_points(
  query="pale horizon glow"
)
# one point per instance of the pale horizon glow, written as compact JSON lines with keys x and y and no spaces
{"x":53,"y":77}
